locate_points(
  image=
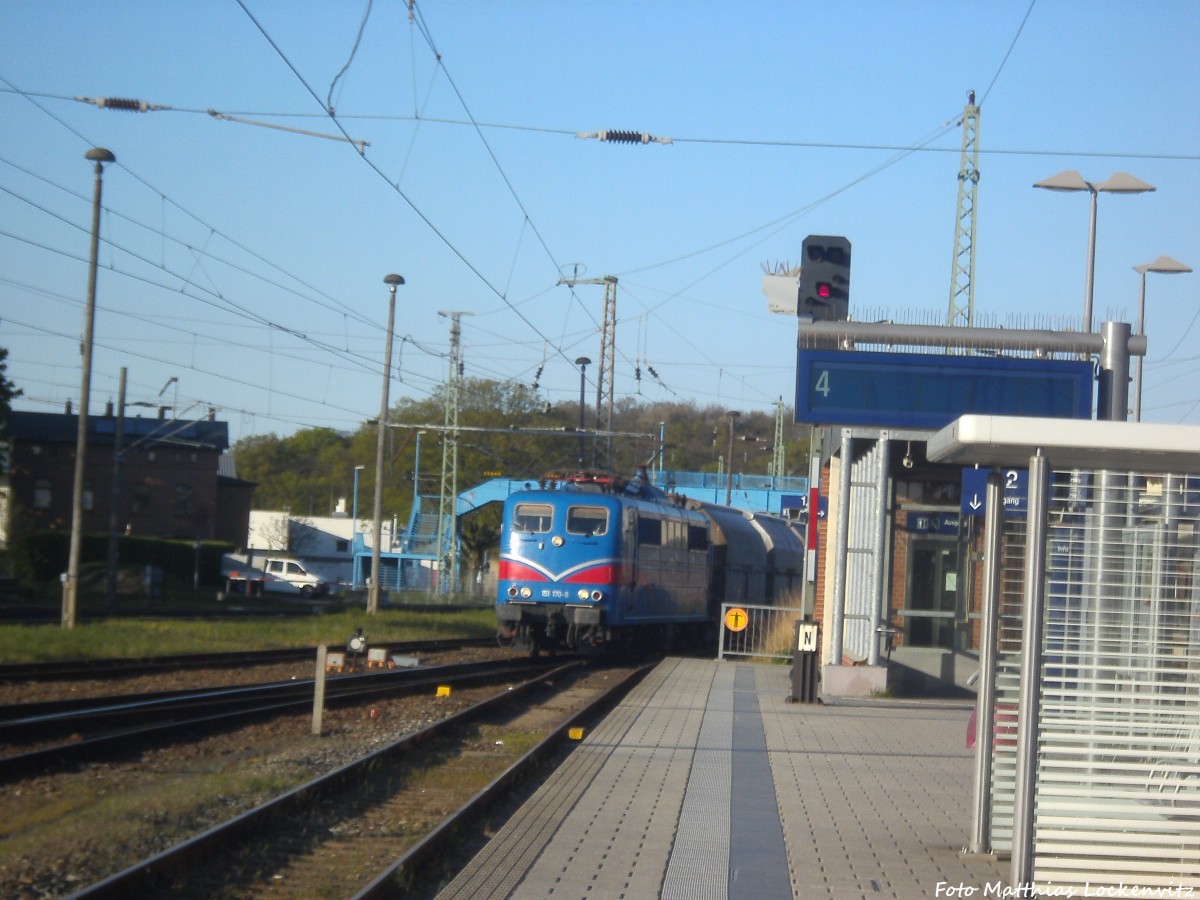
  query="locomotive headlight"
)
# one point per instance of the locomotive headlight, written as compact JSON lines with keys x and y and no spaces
{"x":597,"y":595}
{"x":583,"y":593}
{"x":526,"y":593}
{"x":557,"y":540}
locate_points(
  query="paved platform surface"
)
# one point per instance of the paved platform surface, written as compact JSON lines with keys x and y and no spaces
{"x":706,"y":783}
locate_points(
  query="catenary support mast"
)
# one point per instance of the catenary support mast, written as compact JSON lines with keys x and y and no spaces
{"x":962,"y":272}
{"x":447,"y":539}
{"x":608,"y":343}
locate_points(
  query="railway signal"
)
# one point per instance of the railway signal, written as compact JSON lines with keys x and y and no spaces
{"x":825,"y":278}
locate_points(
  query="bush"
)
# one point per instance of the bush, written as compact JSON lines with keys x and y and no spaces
{"x":43,"y":555}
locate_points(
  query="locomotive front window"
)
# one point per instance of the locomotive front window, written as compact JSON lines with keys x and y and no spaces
{"x":587,"y":520}
{"x":534,"y":518}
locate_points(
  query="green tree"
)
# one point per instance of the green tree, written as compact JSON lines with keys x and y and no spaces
{"x":518,"y":436}
{"x":303,"y":472}
{"x":8,"y":393}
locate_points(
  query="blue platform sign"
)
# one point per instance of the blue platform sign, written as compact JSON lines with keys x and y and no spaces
{"x":799,"y":502}
{"x":933,"y":523}
{"x":925,"y":390}
{"x":974,"y":491}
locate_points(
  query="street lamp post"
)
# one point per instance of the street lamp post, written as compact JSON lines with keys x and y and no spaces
{"x":733,"y":417}
{"x":99,"y":156}
{"x":1119,"y":183}
{"x":392,"y":281}
{"x":354,"y":511}
{"x":583,"y":362}
{"x":662,"y":439}
{"x":417,"y":473}
{"x":356,"y":567}
{"x":1166,"y":266}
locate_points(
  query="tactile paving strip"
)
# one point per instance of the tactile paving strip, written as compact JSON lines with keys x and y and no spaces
{"x":699,"y":864}
{"x":758,"y":860}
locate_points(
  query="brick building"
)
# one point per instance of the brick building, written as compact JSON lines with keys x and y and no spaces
{"x":176,"y":481}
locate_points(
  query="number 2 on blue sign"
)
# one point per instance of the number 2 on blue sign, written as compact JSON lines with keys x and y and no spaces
{"x":822,"y":385}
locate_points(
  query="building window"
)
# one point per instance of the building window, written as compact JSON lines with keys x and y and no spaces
{"x":141,"y":498}
{"x":343,"y":546}
{"x":42,"y":493}
{"x":88,"y":498}
{"x":183,"y":500}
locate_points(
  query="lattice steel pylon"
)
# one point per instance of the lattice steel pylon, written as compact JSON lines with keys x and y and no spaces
{"x":778,"y":456}
{"x":608,"y":343}
{"x":962,"y":272}
{"x":447,"y":539}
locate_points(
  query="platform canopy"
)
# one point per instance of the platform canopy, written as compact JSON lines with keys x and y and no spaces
{"x":1089,"y":444}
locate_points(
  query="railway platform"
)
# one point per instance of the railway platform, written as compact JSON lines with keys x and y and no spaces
{"x":706,"y":783}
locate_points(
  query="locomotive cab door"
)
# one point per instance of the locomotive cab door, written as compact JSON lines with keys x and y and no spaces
{"x":629,"y":559}
{"x":629,"y":552}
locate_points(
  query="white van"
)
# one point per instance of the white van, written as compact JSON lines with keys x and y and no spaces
{"x":287,"y":575}
{"x":273,"y":573}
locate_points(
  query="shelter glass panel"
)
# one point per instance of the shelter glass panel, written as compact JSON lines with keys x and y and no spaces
{"x":1117,"y":781}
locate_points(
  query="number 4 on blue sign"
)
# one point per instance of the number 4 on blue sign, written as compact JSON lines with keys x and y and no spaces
{"x":974,"y":491}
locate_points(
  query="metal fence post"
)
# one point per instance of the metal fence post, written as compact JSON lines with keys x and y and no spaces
{"x":985,"y":706}
{"x":1028,"y":704}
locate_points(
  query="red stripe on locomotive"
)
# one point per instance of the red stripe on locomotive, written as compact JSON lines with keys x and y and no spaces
{"x":609,"y":574}
{"x":515,"y":571}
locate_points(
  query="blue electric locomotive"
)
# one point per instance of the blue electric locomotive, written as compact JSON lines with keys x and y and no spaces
{"x":592,"y":562}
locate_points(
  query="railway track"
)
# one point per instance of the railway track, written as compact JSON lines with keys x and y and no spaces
{"x":376,"y":826}
{"x":87,"y":730}
{"x":68,"y":670}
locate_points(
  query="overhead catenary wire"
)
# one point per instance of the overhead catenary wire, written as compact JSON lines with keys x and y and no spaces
{"x":166,"y":199}
{"x":460,"y":254}
{"x":561,"y":131}
{"x":504,"y":288}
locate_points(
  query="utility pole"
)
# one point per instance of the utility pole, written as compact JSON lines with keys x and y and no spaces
{"x":608,"y":342}
{"x":962,"y":272}
{"x":447,"y":542}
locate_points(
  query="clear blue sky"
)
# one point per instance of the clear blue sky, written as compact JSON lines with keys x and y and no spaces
{"x":247,"y":262}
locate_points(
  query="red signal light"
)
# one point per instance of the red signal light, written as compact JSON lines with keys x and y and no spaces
{"x":823,"y":290}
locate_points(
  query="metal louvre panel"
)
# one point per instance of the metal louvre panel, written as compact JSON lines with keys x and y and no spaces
{"x":1008,"y":679}
{"x":862,"y":587}
{"x":1118,"y":752}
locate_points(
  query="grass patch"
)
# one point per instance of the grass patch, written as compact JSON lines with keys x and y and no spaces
{"x":129,"y":638}
{"x":96,"y":820}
